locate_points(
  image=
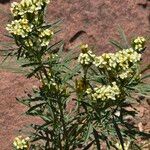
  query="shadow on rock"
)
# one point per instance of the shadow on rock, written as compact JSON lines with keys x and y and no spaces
{"x":146,"y":5}
{"x":4,"y":1}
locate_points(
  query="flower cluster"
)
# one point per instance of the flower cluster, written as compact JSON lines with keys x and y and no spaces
{"x":120,"y":65}
{"x":127,"y":58}
{"x":25,"y":24}
{"x":20,"y":27}
{"x":126,"y":74}
{"x":86,"y":57}
{"x":45,"y":36}
{"x":122,"y":60}
{"x":139,"y":43}
{"x":21,"y":143}
{"x":107,"y":60}
{"x":27,"y":6}
{"x":104,"y":92}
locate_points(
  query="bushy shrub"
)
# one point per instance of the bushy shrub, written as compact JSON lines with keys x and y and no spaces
{"x":100,"y":87}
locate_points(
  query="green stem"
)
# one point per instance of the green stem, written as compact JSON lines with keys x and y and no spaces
{"x":63,"y":124}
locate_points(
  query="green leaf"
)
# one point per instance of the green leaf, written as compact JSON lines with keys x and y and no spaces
{"x":145,"y":77}
{"x":142,"y":88}
{"x":97,"y":78}
{"x":118,"y":133}
{"x":46,"y":118}
{"x":6,"y":57}
{"x":70,"y":55}
{"x":71,"y":74}
{"x":96,"y":136}
{"x":34,"y":72}
{"x":123,"y":37}
{"x":116,"y":44}
{"x":30,"y":64}
{"x":34,"y":109}
{"x":54,"y":24}
{"x":54,"y":47}
{"x":88,"y":132}
{"x":128,"y":112}
{"x":134,"y":146}
{"x":145,"y":69}
{"x":9,"y":36}
{"x":88,"y":146}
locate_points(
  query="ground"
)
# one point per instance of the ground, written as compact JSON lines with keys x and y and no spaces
{"x":91,"y":21}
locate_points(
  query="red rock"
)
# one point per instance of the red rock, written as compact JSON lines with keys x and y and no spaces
{"x":96,"y":21}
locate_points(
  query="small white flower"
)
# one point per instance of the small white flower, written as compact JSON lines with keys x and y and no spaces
{"x":139,"y":43}
{"x":20,"y":27}
{"x":86,"y":58}
{"x":21,"y":143}
{"x":105,"y":92}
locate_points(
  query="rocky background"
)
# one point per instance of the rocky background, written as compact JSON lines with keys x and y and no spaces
{"x":84,"y":21}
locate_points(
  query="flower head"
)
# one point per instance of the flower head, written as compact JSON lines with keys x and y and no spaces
{"x":86,"y":57}
{"x":27,"y":6}
{"x":105,"y":92}
{"x":106,"y":60}
{"x":139,"y":43}
{"x":119,"y":61}
{"x":127,"y":58}
{"x":21,"y":143}
{"x":45,"y":36}
{"x":124,"y":75}
{"x":20,"y":27}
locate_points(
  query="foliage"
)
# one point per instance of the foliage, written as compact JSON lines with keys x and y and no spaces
{"x":100,"y":87}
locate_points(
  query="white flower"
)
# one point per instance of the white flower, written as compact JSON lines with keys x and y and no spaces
{"x":45,"y":36}
{"x":27,"y":6}
{"x":86,"y":58}
{"x":139,"y":43}
{"x":21,"y":143}
{"x":107,"y":61}
{"x":104,"y":92}
{"x":20,"y":27}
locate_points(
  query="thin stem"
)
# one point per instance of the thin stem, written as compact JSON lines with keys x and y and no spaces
{"x":63,"y":124}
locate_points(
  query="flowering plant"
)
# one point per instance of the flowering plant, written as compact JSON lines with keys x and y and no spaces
{"x":99,"y":86}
